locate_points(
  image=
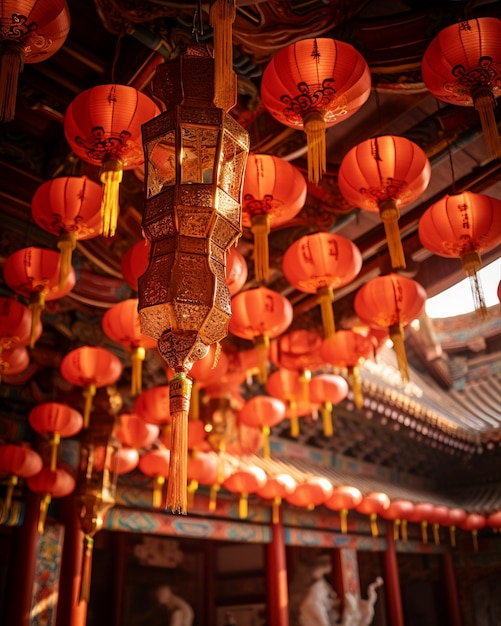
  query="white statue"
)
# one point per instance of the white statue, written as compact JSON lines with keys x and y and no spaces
{"x":319,"y":606}
{"x":359,"y":612}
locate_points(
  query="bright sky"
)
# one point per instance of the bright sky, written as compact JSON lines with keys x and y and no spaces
{"x":459,"y":300}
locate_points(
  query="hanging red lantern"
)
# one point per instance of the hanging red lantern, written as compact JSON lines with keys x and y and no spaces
{"x":103,"y":127}
{"x":17,"y":461}
{"x":286,"y":385}
{"x":312,"y":491}
{"x":439,"y":517}
{"x":274,"y":191}
{"x":13,"y":362}
{"x":327,"y":390}
{"x":135,"y":263}
{"x":384,"y":174}
{"x":463,"y":226}
{"x":121,"y":324}
{"x":122,"y":460}
{"x":399,"y":512}
{"x":374,"y":504}
{"x":34,"y":273}
{"x":134,"y":432}
{"x":456,"y":517}
{"x":90,"y":367}
{"x":245,"y":481}
{"x":31,"y":32}
{"x":320,"y":263}
{"x":349,"y":349}
{"x":15,"y":331}
{"x":391,"y":302}
{"x":236,"y":271}
{"x":312,"y":85}
{"x":262,"y":412}
{"x":259,"y":315}
{"x":153,"y":405}
{"x":473,"y":523}
{"x":156,"y":464}
{"x":494,"y":520}
{"x":209,"y":469}
{"x":462,"y":66}
{"x":69,"y":208}
{"x":55,"y":420}
{"x":343,"y":499}
{"x":50,"y":484}
{"x":422,"y":513}
{"x":277,"y":487}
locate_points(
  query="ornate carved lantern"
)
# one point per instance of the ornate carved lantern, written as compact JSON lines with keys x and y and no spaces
{"x":195,"y":156}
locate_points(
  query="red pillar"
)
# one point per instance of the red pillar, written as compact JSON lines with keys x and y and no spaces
{"x":278,"y":595}
{"x":392,"y":581}
{"x":70,"y":611}
{"x":22,"y":575}
{"x":451,"y":590}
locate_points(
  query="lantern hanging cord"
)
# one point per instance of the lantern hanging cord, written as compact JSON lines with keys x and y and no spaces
{"x":115,"y":57}
{"x":198,"y":23}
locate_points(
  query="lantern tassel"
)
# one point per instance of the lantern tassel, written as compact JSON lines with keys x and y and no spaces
{"x":213,"y":497}
{"x":452,"y":535}
{"x":314,"y":126}
{"x":275,"y":509}
{"x":44,"y":507}
{"x":325,"y":297}
{"x":436,"y":533}
{"x":472,"y":263}
{"x":36,"y":306}
{"x":111,"y":177}
{"x":11,"y":483}
{"x":374,"y":528}
{"x":11,"y":65}
{"x":261,"y":229}
{"x":179,"y":396}
{"x":356,"y":385}
{"x":66,"y":244}
{"x":304,"y":379}
{"x":222,"y":15}
{"x":243,"y":505}
{"x":55,"y":441}
{"x":327,"y":419}
{"x":404,"y":530}
{"x":89,"y":391}
{"x":294,"y":419}
{"x":137,"y":357}
{"x":397,"y":336}
{"x":266,"y":441}
{"x":474,"y":536}
{"x":396,"y":529}
{"x":485,"y":103}
{"x":424,"y":531}
{"x":86,"y":569}
{"x":389,"y":213}
{"x":192,"y":487}
{"x":262,"y":344}
{"x":157,"y":491}
{"x":343,"y":518}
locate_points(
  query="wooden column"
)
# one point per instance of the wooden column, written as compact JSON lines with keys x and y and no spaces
{"x":278,"y":594}
{"x":119,"y":543}
{"x":345,"y":577}
{"x":451,"y":589}
{"x":22,"y":575}
{"x":70,"y":611}
{"x":392,"y":581}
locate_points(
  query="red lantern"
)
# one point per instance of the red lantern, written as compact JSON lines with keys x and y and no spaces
{"x":235,"y":270}
{"x":286,"y":385}
{"x":153,"y":405}
{"x":245,"y":481}
{"x":321,"y":263}
{"x":103,"y":127}
{"x":50,"y":484}
{"x":55,"y":420}
{"x":311,"y":492}
{"x":13,"y":362}
{"x":274,"y":191}
{"x":391,"y":302}
{"x":277,"y":487}
{"x":456,"y":518}
{"x":135,"y":432}
{"x":463,"y":226}
{"x":68,"y":207}
{"x":399,"y":511}
{"x":349,"y":349}
{"x":121,"y":460}
{"x":156,"y":464}
{"x":31,"y":32}
{"x":384,"y":174}
{"x":327,"y":390}
{"x":34,"y":273}
{"x":205,"y":468}
{"x":374,"y":504}
{"x":121,"y":324}
{"x":17,"y":462}
{"x":90,"y":367}
{"x":312,"y":85}
{"x":342,"y":499}
{"x":423,"y":514}
{"x":474,"y":522}
{"x":439,"y":517}
{"x":258,"y":315}
{"x":262,"y":412}
{"x":494,"y":520}
{"x":135,"y":263}
{"x":462,"y":66}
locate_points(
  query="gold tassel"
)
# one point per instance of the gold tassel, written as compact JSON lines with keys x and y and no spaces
{"x":66,"y":243}
{"x":11,"y":65}
{"x":325,"y":297}
{"x":424,"y":531}
{"x":472,"y":263}
{"x":261,"y":229}
{"x":404,"y":530}
{"x":36,"y":306}
{"x":397,"y":336}
{"x":11,"y":483}
{"x":89,"y":391}
{"x":436,"y":533}
{"x":55,"y":441}
{"x":111,"y":176}
{"x":343,"y":518}
{"x":356,"y":384}
{"x":294,"y":419}
{"x":266,"y":441}
{"x":44,"y":507}
{"x":474,"y":536}
{"x":389,"y":213}
{"x":179,"y":396}
{"x":314,"y":126}
{"x":243,"y":505}
{"x":374,"y":528}
{"x":304,"y":379}
{"x":192,"y":487}
{"x":262,"y":344}
{"x":327,"y":419}
{"x":86,"y":569}
{"x":157,"y":491}
{"x":221,"y":16}
{"x":195,"y":401}
{"x":275,"y":509}
{"x":452,"y":535}
{"x":213,"y":497}
{"x":137,"y":357}
{"x":485,"y":103}
{"x":396,"y":529}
